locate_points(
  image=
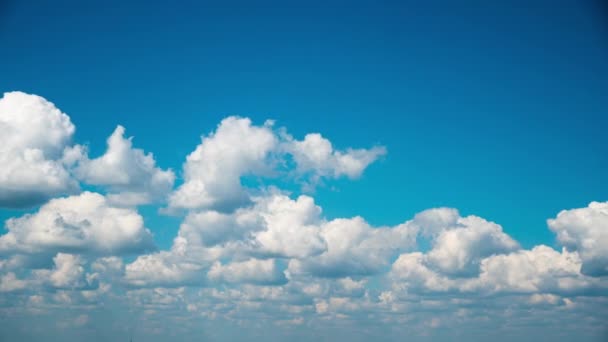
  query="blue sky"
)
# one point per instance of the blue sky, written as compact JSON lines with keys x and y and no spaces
{"x":496,"y":109}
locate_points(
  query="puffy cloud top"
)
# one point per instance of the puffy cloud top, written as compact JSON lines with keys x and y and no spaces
{"x":290,"y":229}
{"x":316,"y":154}
{"x":131,"y":174}
{"x":84,"y":223}
{"x":458,"y":249}
{"x":585,"y":230}
{"x":33,"y":137}
{"x":540,"y":269}
{"x":355,"y":248}
{"x":212,"y":171}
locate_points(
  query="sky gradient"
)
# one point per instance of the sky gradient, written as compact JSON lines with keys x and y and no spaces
{"x":298,"y":151}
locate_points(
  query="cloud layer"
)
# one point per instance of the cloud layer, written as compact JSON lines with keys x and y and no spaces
{"x":260,"y":258}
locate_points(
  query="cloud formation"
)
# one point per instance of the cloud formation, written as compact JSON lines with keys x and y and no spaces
{"x":213,"y":171}
{"x":315,"y":156}
{"x":84,"y":223}
{"x":585,"y":230}
{"x":34,"y":135}
{"x":253,"y":256}
{"x":131,"y":175}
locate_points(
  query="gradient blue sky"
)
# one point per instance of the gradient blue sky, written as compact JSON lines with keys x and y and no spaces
{"x":497,"y":108}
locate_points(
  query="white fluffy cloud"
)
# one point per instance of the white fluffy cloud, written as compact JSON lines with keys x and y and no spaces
{"x":411,"y":273}
{"x":316,"y":155}
{"x":458,"y":249}
{"x":212,"y":172}
{"x":540,"y":269}
{"x":131,"y":175}
{"x":273,"y":226}
{"x":289,"y":227}
{"x":585,"y":230}
{"x":83,"y":223}
{"x":33,"y":137}
{"x":433,"y":221}
{"x":355,"y":248}
{"x":471,"y":255}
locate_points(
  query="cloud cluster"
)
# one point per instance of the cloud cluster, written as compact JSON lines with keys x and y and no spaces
{"x":39,"y":160}
{"x":84,"y":223}
{"x":260,"y":258}
{"x":213,"y":171}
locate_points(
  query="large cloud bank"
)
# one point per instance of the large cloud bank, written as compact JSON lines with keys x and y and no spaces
{"x":258,"y":257}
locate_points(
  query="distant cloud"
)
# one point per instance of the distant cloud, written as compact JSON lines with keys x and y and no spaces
{"x":252,"y":271}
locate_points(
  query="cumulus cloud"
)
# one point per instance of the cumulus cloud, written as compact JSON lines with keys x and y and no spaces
{"x":273,"y":226}
{"x":541,"y":269}
{"x":38,"y":158}
{"x":459,"y":246}
{"x":68,"y":273}
{"x":83,"y":223}
{"x":411,"y":273}
{"x":458,"y":249}
{"x":33,"y":136}
{"x":585,"y":230}
{"x":316,"y":155}
{"x":355,"y":248}
{"x":473,"y":256}
{"x":212,"y":172}
{"x":131,"y":174}
{"x":289,"y":228}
